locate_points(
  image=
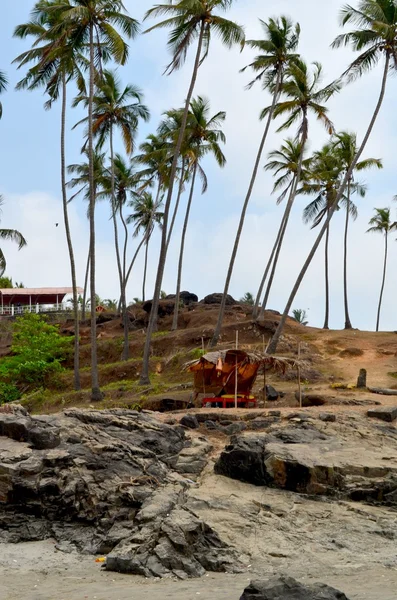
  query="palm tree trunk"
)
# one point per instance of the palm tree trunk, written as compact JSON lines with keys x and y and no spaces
{"x":222,"y":307}
{"x":277,"y":334}
{"x":144,"y":379}
{"x":87,"y":272}
{"x":283,"y":229}
{"x":77,"y":384}
{"x":133,"y":260}
{"x":114,"y":215}
{"x":180,"y":263}
{"x":383,"y":284}
{"x":326,"y":318}
{"x":96,"y":393}
{"x":123,"y":298}
{"x":145,"y":266}
{"x":265,"y":274}
{"x":180,"y":190}
{"x":348,"y":324}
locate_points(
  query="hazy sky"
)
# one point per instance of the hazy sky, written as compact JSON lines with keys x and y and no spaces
{"x":30,"y":180}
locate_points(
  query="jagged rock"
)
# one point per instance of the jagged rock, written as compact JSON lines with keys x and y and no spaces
{"x":217,"y":299}
{"x":303,"y":459}
{"x":287,"y":588}
{"x":108,"y":481}
{"x":189,"y":421}
{"x":271,"y":394}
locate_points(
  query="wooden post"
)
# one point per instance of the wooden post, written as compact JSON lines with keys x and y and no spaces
{"x":235,"y":375}
{"x":299,"y":375}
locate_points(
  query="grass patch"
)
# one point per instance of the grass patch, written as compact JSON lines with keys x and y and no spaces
{"x":393,"y":374}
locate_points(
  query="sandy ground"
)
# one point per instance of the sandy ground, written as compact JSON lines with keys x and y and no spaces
{"x":36,"y":571}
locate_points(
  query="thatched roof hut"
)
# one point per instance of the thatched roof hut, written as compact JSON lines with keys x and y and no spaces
{"x":215,"y":372}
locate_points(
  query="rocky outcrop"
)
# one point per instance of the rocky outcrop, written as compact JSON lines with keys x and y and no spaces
{"x":111,"y":482}
{"x":217,"y":299}
{"x":287,"y":588}
{"x":301,"y":458}
{"x":186,"y":297}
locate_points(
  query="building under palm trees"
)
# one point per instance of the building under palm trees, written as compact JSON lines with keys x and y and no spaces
{"x":14,"y":301}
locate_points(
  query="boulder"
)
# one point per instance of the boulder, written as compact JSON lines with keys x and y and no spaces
{"x":311,"y":399}
{"x":165,"y":308}
{"x":385,"y":413}
{"x":186,"y":297}
{"x":287,"y":588}
{"x":271,"y":394}
{"x":108,"y":482}
{"x":189,"y":421}
{"x":217,"y":299}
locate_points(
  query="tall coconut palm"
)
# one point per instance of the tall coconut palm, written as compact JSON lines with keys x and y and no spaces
{"x":9,"y":235}
{"x":284,"y":163}
{"x":56,"y":61}
{"x":376,"y":40}
{"x":346,"y":147}
{"x":81,"y":180}
{"x":202,"y":138}
{"x":323,"y":180}
{"x":381,"y":223}
{"x":122,"y":109}
{"x":277,"y":50}
{"x":95,"y":26}
{"x":303,"y":96}
{"x":144,"y":218}
{"x":3,"y":87}
{"x":189,"y":21}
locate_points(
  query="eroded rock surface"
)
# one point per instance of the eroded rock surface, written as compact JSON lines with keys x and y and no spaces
{"x":111,"y":481}
{"x":307,"y":458}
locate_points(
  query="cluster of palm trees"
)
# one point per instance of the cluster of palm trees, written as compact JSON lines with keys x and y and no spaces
{"x":73,"y":39}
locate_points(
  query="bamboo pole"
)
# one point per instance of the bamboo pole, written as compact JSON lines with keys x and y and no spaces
{"x":299,"y":375}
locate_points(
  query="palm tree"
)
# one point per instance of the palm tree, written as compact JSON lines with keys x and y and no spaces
{"x":202,"y":137}
{"x":189,"y":21}
{"x":93,"y":24}
{"x":145,"y":217}
{"x":81,"y":179}
{"x":284,"y":163}
{"x":381,"y":223}
{"x":277,"y":52}
{"x":248,"y":298}
{"x":322,"y":180}
{"x":9,"y":235}
{"x":115,"y":107}
{"x":376,"y":36}
{"x":3,"y":87}
{"x":56,"y":61}
{"x":345,"y":144}
{"x":300,"y":316}
{"x":303,"y":95}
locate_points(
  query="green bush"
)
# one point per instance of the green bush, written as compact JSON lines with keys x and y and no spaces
{"x":8,"y":393}
{"x":38,"y":352}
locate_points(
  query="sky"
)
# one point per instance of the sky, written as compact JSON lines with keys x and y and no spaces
{"x":30,"y":174}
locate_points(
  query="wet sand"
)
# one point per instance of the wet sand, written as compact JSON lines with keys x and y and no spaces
{"x":36,"y":571}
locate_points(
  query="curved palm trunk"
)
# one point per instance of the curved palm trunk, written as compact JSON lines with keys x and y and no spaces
{"x":348,"y":324}
{"x":144,"y":379}
{"x":96,"y":393}
{"x":145,"y":266}
{"x":222,"y":307}
{"x":77,"y":384}
{"x":114,"y":217}
{"x":126,"y":324}
{"x":276,"y":337}
{"x":283,"y":229}
{"x":87,"y":273}
{"x":180,"y":263}
{"x":268,"y":266}
{"x":326,"y":263}
{"x":383,"y":284}
{"x":133,"y":260}
{"x":180,"y":190}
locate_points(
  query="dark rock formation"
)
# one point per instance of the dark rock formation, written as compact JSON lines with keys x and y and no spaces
{"x":385,"y":413}
{"x":111,"y":481}
{"x":189,"y":421}
{"x":311,"y":399}
{"x":362,"y":379}
{"x":271,"y":394}
{"x":287,"y":588}
{"x":217,"y":299}
{"x":166,"y":307}
{"x":301,"y":458}
{"x":186,"y":297}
